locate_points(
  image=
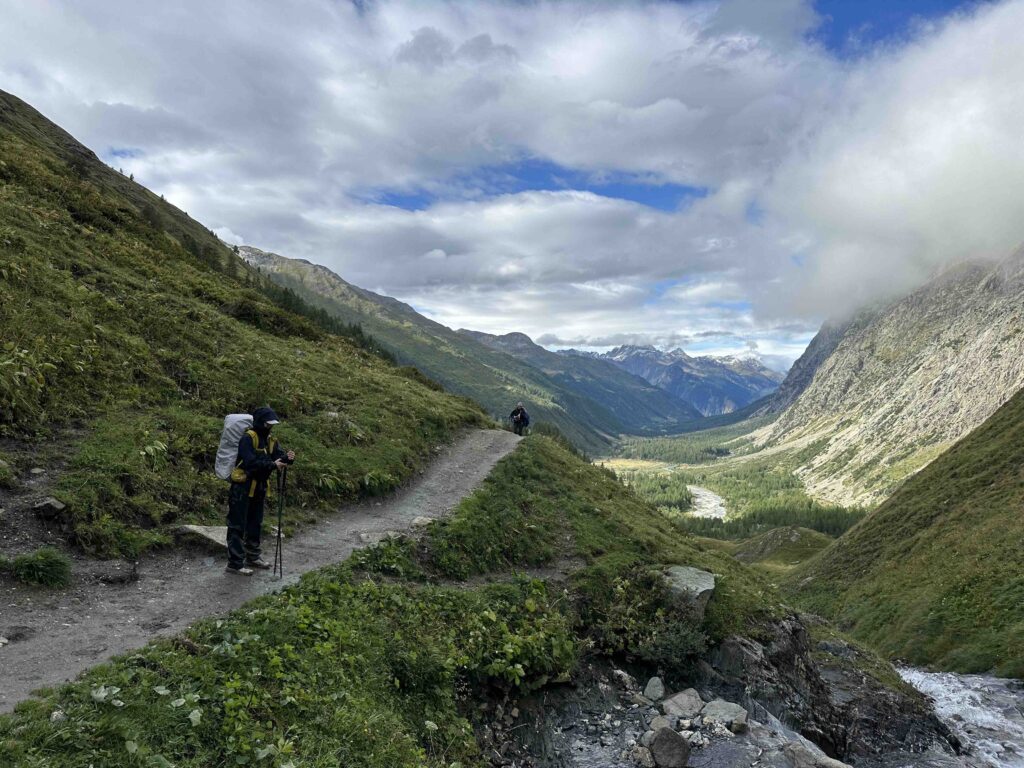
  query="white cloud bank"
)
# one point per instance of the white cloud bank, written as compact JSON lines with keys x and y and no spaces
{"x":829,"y":181}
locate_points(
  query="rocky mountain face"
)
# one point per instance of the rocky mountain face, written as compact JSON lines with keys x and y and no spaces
{"x":904,"y":382}
{"x":802,"y":373}
{"x":711,"y":385}
{"x":589,"y":401}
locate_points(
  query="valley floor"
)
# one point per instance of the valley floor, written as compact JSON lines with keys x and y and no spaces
{"x":54,"y":638}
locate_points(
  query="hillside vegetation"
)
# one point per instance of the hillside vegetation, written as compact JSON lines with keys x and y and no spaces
{"x":378,"y":663}
{"x":129,"y":321}
{"x":591,"y":403}
{"x":936,"y":574}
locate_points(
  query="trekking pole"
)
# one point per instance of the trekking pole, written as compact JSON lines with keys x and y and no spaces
{"x":282,"y":483}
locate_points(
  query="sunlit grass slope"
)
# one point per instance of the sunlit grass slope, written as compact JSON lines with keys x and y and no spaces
{"x":936,"y":574}
{"x":125,"y":317}
{"x":378,"y":662}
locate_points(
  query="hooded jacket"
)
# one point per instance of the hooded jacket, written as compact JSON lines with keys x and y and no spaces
{"x":255,"y":459}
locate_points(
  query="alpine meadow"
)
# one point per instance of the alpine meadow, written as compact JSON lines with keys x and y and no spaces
{"x":393,"y":384}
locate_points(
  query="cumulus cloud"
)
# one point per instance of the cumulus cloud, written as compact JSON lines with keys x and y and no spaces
{"x":312,"y":129}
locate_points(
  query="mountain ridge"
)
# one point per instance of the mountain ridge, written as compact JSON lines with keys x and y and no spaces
{"x":904,"y":381}
{"x":590,"y":412}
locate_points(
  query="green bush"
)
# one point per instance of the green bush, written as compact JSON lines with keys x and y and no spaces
{"x":45,"y":567}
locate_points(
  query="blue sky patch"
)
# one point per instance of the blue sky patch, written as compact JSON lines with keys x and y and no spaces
{"x":536,"y":174}
{"x":850,"y":26}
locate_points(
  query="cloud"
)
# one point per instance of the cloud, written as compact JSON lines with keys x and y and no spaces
{"x":829,"y":181}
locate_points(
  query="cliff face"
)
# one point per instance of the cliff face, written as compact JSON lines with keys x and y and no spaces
{"x":905,"y":382}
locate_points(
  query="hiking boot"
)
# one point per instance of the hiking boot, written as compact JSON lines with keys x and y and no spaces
{"x":259,"y":562}
{"x":239,"y":571}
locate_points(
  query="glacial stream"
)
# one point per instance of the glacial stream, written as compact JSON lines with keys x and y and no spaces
{"x":985,"y":713}
{"x":706,"y":503}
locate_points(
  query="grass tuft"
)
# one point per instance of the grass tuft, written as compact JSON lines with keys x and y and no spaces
{"x":46,"y":567}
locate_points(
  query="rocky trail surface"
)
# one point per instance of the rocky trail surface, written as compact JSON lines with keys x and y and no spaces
{"x":706,"y":503}
{"x":51,"y":638}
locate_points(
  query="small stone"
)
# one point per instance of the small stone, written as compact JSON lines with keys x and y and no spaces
{"x":660,"y":722}
{"x":515,"y":713}
{"x":645,"y":740}
{"x":687,"y":704}
{"x":58,"y":716}
{"x":670,"y":750}
{"x":655,"y":689}
{"x":640,"y":701}
{"x":37,"y":471}
{"x":420,"y":521}
{"x":642,"y":757}
{"x":3,"y":641}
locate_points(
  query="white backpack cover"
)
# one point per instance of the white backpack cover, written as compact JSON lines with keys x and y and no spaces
{"x":235,"y":425}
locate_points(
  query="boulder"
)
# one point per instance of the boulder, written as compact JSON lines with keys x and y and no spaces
{"x":686,"y":704}
{"x":800,"y":756}
{"x":690,"y":586}
{"x":49,"y":508}
{"x":660,"y":722}
{"x":655,"y":689}
{"x":214,"y":537}
{"x":725,"y":713}
{"x":420,"y":521}
{"x":669,"y":749}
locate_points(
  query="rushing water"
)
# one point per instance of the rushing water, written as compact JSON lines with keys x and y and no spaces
{"x":706,"y":503}
{"x":986,"y":713}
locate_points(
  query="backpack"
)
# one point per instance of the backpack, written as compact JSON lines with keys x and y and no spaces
{"x":235,"y":426}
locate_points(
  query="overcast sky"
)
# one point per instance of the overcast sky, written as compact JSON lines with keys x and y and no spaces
{"x":716,"y":175}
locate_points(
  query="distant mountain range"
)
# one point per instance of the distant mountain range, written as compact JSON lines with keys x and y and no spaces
{"x":712,"y":385}
{"x":591,"y":402}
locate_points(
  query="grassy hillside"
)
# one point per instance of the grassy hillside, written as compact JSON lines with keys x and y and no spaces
{"x":378,"y":663}
{"x":126,"y":319}
{"x":936,"y":574}
{"x":589,"y":413}
{"x":779,"y":550}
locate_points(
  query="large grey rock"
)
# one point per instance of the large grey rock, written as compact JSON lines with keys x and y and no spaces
{"x":690,"y":586}
{"x":213,"y":537}
{"x":660,"y":722}
{"x":732,"y":716}
{"x":669,"y":749}
{"x":800,"y":756}
{"x":686,"y":704}
{"x":49,"y":508}
{"x":655,"y":690}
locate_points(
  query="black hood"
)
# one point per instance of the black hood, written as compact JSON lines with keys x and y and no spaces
{"x":261,"y":416}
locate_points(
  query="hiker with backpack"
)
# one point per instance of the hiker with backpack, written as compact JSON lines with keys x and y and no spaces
{"x":257,"y":456}
{"x":520,"y":419}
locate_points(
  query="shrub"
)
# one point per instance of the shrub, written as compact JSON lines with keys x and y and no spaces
{"x":46,"y":567}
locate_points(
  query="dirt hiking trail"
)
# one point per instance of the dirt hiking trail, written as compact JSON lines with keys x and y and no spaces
{"x":54,"y":637}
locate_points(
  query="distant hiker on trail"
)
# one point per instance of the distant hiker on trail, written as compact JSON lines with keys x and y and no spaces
{"x":520,"y":419}
{"x":259,"y":455}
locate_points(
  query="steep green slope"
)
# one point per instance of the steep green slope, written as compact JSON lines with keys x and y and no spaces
{"x":781,"y":549}
{"x":351,"y":668}
{"x":936,"y":574}
{"x":122,"y":315}
{"x":490,"y":377}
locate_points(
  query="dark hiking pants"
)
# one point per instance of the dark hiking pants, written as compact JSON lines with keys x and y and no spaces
{"x":518,"y":427}
{"x":245,"y":522}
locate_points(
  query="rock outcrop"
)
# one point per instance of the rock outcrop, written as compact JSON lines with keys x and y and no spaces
{"x":690,"y":587}
{"x":904,"y":382}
